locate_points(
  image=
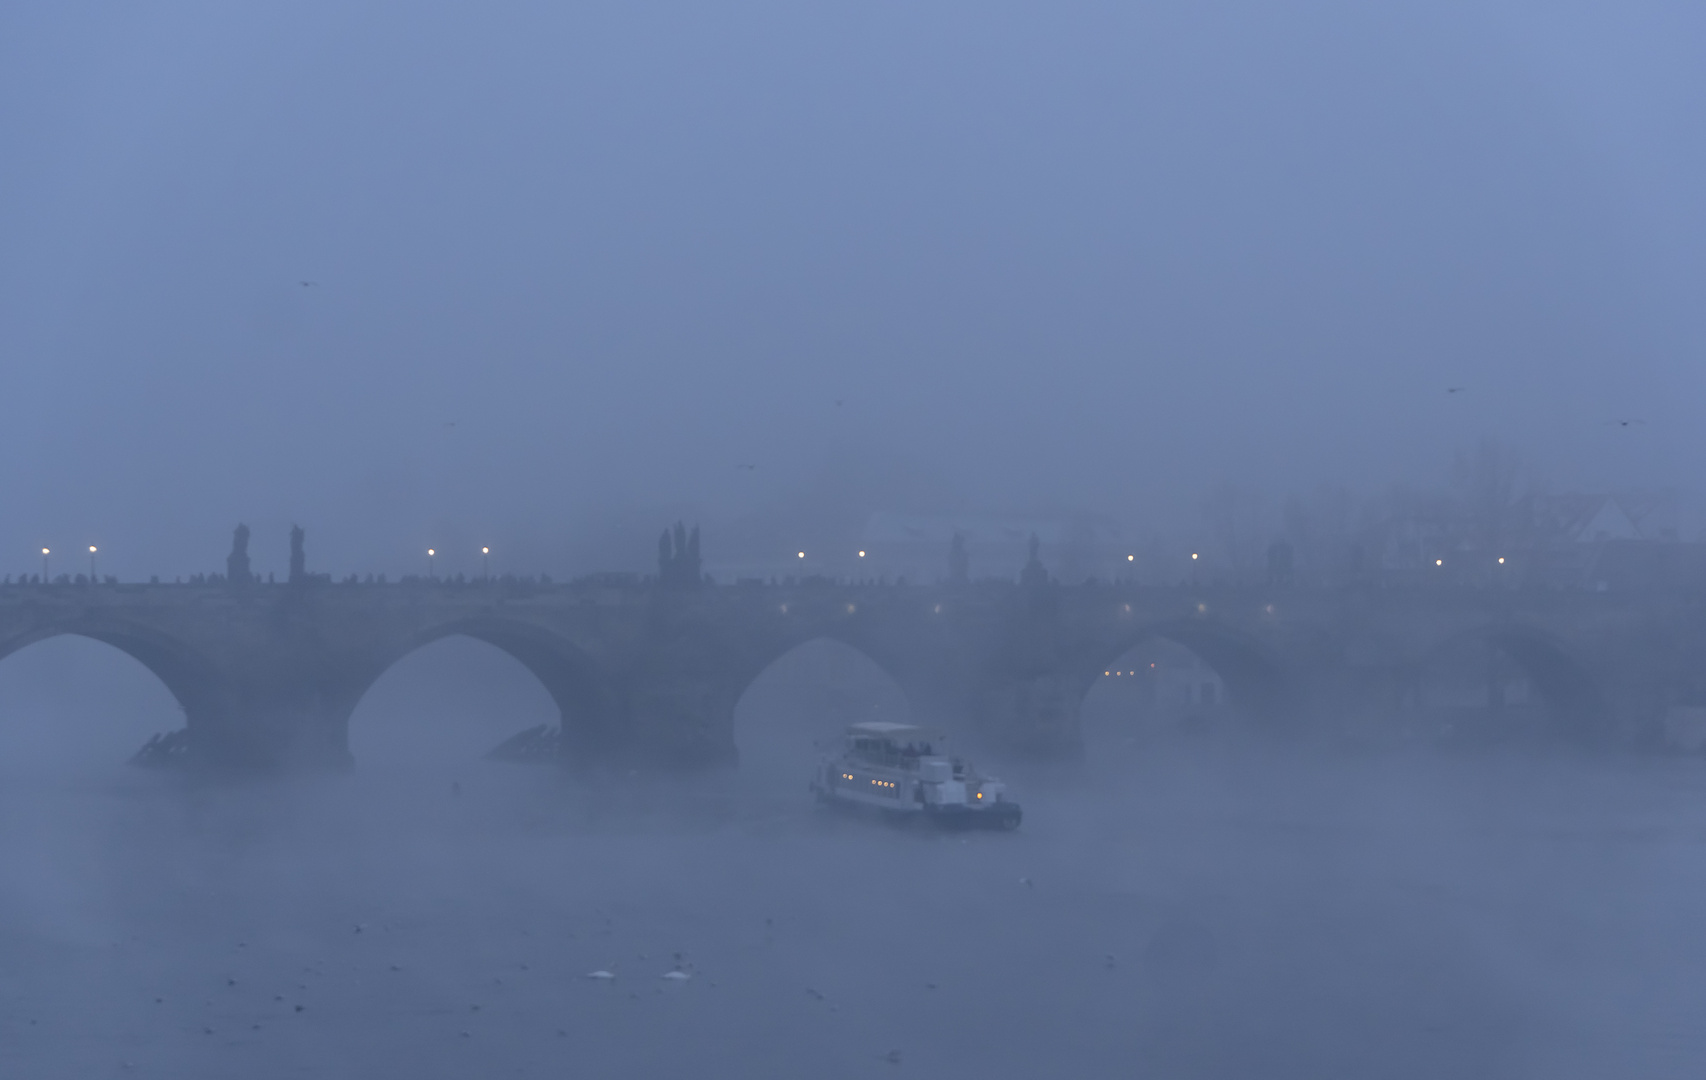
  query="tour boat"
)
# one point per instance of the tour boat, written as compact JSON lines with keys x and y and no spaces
{"x":901,"y":770}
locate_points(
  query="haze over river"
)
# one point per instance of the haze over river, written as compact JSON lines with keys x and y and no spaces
{"x":1206,"y":908}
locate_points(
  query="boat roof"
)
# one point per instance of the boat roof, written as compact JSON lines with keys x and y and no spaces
{"x":889,"y":730}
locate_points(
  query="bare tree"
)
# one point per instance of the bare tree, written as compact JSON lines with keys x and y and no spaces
{"x":1237,"y":518}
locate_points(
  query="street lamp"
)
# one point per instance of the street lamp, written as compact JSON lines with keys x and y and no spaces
{"x":91,"y":564}
{"x":44,"y":554}
{"x":486,"y":563}
{"x":430,"y":571}
{"x":802,"y":554}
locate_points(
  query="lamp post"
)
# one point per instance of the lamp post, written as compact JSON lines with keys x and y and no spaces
{"x":44,"y":554}
{"x":486,"y":563}
{"x":92,"y":578}
{"x":431,"y":572}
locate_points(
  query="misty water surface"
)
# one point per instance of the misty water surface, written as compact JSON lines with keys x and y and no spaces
{"x":1211,"y":907}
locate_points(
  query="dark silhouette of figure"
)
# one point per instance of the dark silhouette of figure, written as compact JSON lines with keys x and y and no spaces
{"x":959,"y":562}
{"x":1280,"y":562}
{"x":678,"y":558}
{"x":1034,"y":576}
{"x":237,"y":563}
{"x":298,"y":559}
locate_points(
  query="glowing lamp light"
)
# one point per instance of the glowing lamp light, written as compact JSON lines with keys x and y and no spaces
{"x":1193,"y":554}
{"x":485,"y":551}
{"x":1131,"y":558}
{"x":861,"y":554}
{"x":802,"y":554}
{"x":1439,"y":562}
{"x":91,"y":549}
{"x":1501,"y":560}
{"x":431,"y":553}
{"x":44,"y":551}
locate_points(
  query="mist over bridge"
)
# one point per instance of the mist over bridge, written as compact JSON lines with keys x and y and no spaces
{"x":649,"y":670}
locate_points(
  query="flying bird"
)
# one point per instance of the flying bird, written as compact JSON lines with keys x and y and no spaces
{"x":1626,"y":423}
{"x":308,"y":284}
{"x":1455,"y":389}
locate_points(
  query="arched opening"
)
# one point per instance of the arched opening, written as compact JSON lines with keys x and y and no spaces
{"x":71,"y":702}
{"x":1156,"y":690}
{"x":805,"y":698}
{"x":446,"y":705}
{"x":1181,"y":681}
{"x":1499,"y":685}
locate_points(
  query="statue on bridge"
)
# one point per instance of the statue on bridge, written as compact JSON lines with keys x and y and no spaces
{"x":678,"y":558}
{"x":298,"y":559}
{"x":959,"y":562}
{"x":1034,"y":575}
{"x":237,"y":563}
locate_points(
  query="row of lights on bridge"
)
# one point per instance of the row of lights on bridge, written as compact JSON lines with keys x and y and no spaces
{"x":46,"y":552}
{"x":432,"y":561}
{"x":432,"y":555}
{"x":485,"y":562}
{"x":1128,"y":558}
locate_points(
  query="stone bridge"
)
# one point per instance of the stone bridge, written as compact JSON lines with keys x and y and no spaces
{"x":649,"y":671}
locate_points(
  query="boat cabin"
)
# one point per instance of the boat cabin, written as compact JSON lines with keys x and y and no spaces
{"x":894,"y":745}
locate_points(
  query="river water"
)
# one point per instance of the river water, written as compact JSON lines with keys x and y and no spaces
{"x":1206,"y":908}
{"x":1201,"y":911}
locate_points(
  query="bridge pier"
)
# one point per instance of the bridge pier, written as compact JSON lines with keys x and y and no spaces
{"x":674,"y":705}
{"x":277,"y":721}
{"x":1036,"y":716}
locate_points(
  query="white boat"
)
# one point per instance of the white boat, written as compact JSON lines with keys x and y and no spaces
{"x":904,"y":771}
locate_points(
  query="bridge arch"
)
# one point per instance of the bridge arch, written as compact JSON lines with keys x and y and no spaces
{"x":186,"y":676}
{"x":1504,"y":670}
{"x":1177,"y":676}
{"x":807,"y":694}
{"x":1253,"y":678}
{"x":577,"y":687}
